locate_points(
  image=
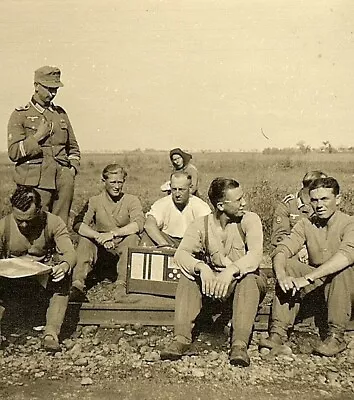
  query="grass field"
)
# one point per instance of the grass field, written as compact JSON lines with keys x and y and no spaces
{"x":265,"y":178}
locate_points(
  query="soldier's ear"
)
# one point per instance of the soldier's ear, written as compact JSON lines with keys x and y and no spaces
{"x":338,"y":199}
{"x":220,"y":206}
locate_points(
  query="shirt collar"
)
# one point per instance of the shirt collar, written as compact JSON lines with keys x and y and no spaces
{"x":186,"y":206}
{"x":299,"y":202}
{"x":108,"y":197}
{"x":40,"y":108}
{"x":321,"y":223}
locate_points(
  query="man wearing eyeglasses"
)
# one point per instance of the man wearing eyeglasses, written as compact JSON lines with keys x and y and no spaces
{"x":219,"y":257}
{"x":42,"y":144}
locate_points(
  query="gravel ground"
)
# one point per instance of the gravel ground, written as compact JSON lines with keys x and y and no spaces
{"x":96,"y":363}
{"x":92,"y":356}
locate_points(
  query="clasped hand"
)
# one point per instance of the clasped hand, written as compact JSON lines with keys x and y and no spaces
{"x":102,"y":238}
{"x":216,"y":285}
{"x":290,"y":283}
{"x":44,"y":129}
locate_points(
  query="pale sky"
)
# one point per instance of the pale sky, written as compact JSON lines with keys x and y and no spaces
{"x":198,"y":74}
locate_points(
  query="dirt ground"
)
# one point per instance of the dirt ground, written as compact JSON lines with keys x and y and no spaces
{"x":161,"y":389}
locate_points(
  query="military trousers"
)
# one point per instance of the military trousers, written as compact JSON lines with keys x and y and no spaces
{"x":58,"y":293}
{"x":89,"y":254}
{"x":245,"y":296}
{"x":59,"y":201}
{"x":338,"y":296}
{"x":146,"y":240}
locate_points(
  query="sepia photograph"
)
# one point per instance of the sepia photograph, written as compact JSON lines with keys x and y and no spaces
{"x":176,"y":200}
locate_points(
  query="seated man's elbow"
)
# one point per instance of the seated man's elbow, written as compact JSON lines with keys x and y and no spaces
{"x":76,"y":226}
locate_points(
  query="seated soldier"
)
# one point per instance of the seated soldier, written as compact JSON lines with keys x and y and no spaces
{"x":108,"y":223}
{"x":29,"y":231}
{"x":219,"y":256}
{"x":291,"y":209}
{"x":169,"y":216}
{"x":329,"y":239}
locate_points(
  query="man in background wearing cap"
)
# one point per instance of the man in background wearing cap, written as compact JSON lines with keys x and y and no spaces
{"x":42,"y":143}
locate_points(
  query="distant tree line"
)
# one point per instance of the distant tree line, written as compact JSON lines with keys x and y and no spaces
{"x":303,"y":148}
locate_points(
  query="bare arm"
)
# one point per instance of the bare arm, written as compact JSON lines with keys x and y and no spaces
{"x":154,"y":232}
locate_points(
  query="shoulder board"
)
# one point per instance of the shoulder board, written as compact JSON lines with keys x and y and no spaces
{"x":57,"y":108}
{"x":288,"y":198}
{"x":23,"y":108}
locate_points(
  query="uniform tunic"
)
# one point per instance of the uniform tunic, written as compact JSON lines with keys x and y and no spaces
{"x":20,"y":245}
{"x":288,"y":212}
{"x":37,"y":163}
{"x":17,"y":245}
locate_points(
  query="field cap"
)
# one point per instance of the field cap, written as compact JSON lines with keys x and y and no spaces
{"x":186,"y":156}
{"x":48,"y":76}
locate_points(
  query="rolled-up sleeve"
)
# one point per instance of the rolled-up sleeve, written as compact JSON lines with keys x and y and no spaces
{"x":252,"y":226}
{"x":86,"y":216}
{"x":136,"y":213}
{"x":191,"y":244}
{"x":156,"y":211}
{"x":347,"y":244}
{"x":292,"y":244}
{"x":63,"y":243}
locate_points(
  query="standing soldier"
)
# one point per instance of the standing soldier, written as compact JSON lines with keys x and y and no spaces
{"x":42,"y":143}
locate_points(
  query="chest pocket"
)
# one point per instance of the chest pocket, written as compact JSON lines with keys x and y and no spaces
{"x":63,"y":124}
{"x":31,"y":125}
{"x":294,"y":218}
{"x":60,"y":136}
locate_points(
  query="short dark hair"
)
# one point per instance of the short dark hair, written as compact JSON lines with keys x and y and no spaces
{"x":24,"y":197}
{"x":178,"y":174}
{"x":327,"y":183}
{"x":218,"y":188}
{"x":113,"y":169}
{"x":310,"y":176}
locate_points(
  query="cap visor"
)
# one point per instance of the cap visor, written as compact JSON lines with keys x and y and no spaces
{"x":51,"y":84}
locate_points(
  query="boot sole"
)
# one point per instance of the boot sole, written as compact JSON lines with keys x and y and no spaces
{"x":171,"y":357}
{"x":238,"y":362}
